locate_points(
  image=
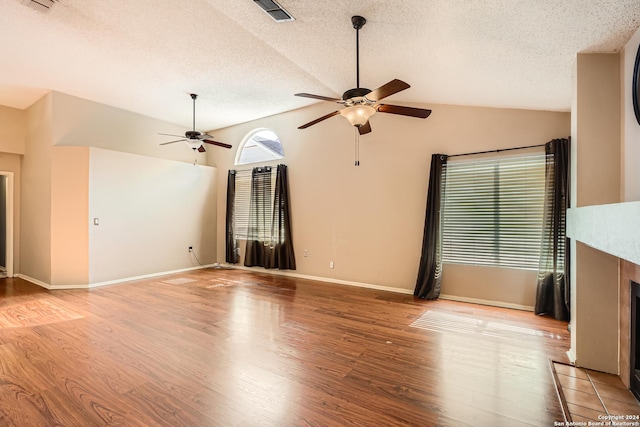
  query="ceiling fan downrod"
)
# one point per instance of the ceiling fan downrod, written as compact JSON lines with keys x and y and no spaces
{"x":194,"y":96}
{"x":358,"y":22}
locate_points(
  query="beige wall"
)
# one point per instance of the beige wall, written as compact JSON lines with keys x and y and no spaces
{"x":79,"y":122}
{"x":13,"y":129}
{"x":69,"y":216}
{"x":163,"y":205}
{"x":369,"y":219}
{"x":35,"y":239}
{"x":596,"y":180}
{"x":13,"y":135}
{"x":512,"y":287}
{"x":597,"y":141}
{"x":10,"y":165}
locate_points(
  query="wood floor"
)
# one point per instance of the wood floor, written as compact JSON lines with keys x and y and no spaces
{"x":234,"y":348}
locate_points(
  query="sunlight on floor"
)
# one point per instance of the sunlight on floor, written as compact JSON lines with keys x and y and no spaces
{"x":448,"y":322}
{"x":36,"y":312}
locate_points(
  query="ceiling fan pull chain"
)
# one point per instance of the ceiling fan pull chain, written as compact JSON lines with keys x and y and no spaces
{"x":357,"y":147}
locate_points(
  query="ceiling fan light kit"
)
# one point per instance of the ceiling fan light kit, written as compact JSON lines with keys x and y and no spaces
{"x":358,"y":115}
{"x":361,"y":103}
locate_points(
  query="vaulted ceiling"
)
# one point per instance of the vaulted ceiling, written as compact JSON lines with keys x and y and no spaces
{"x":146,"y":56}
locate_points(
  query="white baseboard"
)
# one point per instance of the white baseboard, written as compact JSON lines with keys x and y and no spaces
{"x":571,"y":355}
{"x":34,"y":281}
{"x":109,"y":282}
{"x":381,"y":288}
{"x":277,"y":273}
{"x":487,"y":302}
{"x":320,"y":279}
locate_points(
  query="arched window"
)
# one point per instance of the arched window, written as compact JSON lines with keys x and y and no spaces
{"x":259,"y":145}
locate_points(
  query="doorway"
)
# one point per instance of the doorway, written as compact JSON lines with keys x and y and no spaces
{"x":6,"y":224}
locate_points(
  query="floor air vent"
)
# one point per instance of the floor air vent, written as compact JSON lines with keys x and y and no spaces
{"x":274,"y":10}
{"x":39,"y":5}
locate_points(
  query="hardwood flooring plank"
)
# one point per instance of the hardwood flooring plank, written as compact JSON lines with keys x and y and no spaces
{"x":21,"y":407}
{"x":165,"y":409}
{"x":240,"y":348}
{"x":16,"y":370}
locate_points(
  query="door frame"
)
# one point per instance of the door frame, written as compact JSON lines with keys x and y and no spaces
{"x":9,"y":217}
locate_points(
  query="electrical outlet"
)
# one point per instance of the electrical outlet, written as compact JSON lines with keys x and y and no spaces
{"x":305,"y":253}
{"x":330,"y":264}
{"x":190,"y":248}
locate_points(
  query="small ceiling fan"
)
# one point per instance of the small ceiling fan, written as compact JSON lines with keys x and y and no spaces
{"x":193,"y":138}
{"x":361,"y":103}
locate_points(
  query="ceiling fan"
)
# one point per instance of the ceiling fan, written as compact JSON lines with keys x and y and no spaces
{"x":361,"y":103}
{"x":193,"y":138}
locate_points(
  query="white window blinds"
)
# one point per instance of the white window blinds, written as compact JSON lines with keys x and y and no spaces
{"x":493,"y":210}
{"x":243,"y":203}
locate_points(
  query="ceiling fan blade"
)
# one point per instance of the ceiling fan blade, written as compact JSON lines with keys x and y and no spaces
{"x":403,"y":111}
{"x":216,"y":143}
{"x":323,"y":98}
{"x":169,"y":134}
{"x":365,"y":128}
{"x":201,"y":149}
{"x":318,"y":120}
{"x":388,"y":89}
{"x":171,"y":142}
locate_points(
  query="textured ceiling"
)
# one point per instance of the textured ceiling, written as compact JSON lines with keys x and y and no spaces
{"x":147,"y":55}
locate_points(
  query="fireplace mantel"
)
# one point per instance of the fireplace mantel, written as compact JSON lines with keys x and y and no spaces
{"x":612,"y":228}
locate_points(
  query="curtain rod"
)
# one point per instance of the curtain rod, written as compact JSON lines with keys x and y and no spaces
{"x":251,"y":169}
{"x":243,"y":170}
{"x":496,"y":151}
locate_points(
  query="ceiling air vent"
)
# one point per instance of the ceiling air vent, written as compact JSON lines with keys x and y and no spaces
{"x":39,"y":5}
{"x":274,"y":10}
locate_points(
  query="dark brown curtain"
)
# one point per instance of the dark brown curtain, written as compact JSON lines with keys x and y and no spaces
{"x":552,"y":293}
{"x":430,"y":269}
{"x":270,"y":244}
{"x":231,"y":255}
{"x":282,"y":255}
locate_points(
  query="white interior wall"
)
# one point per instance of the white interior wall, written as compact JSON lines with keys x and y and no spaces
{"x":150,"y":211}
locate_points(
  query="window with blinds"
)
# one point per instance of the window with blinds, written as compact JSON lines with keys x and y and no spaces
{"x":493,"y":211}
{"x":243,"y":203}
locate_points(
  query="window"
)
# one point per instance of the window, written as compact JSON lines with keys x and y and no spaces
{"x":493,"y":210}
{"x":259,"y":145}
{"x":243,"y":202}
